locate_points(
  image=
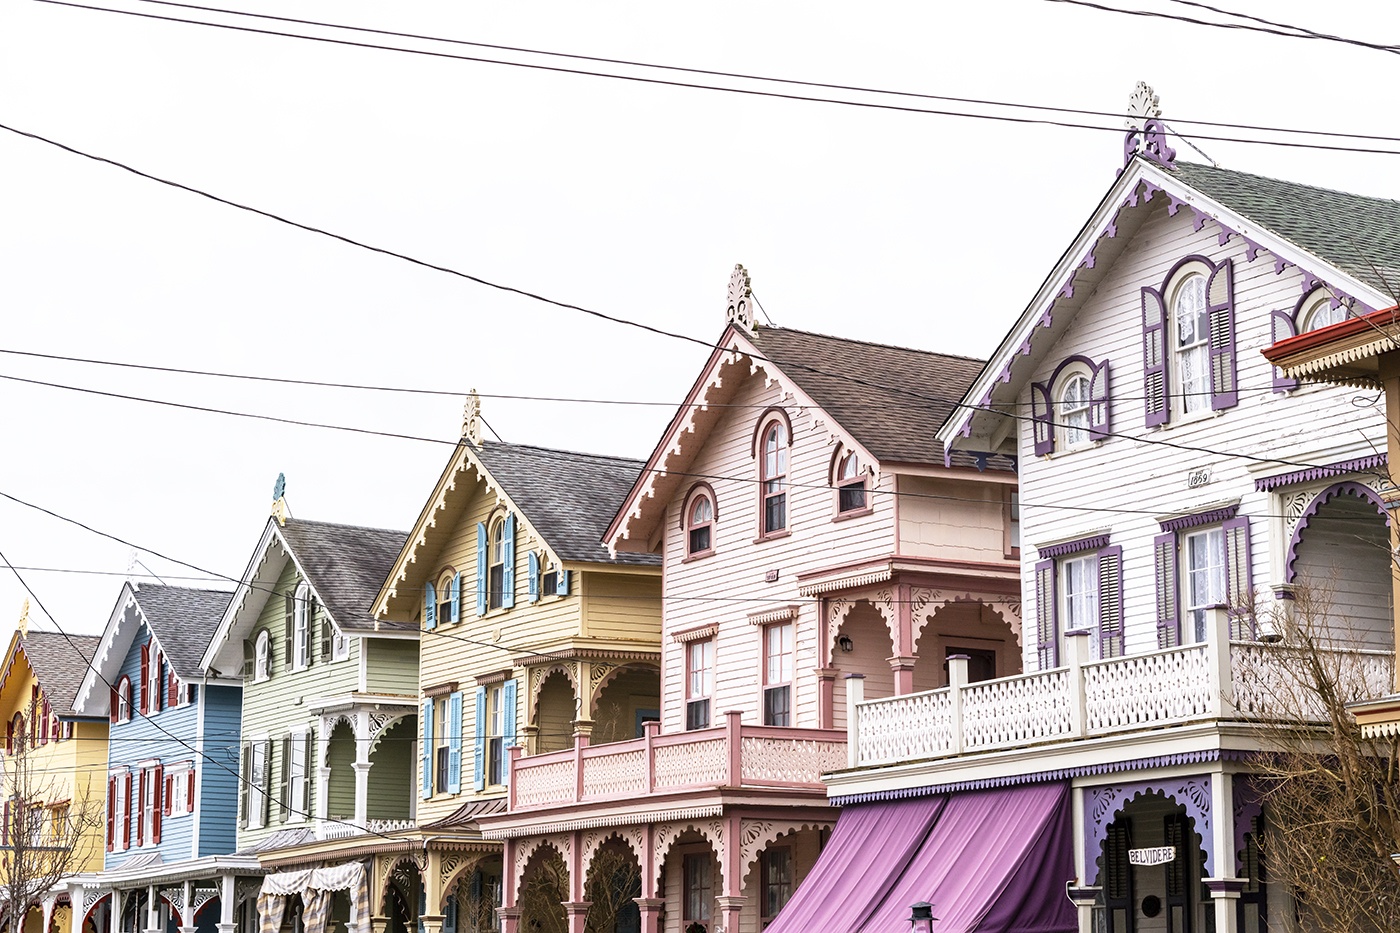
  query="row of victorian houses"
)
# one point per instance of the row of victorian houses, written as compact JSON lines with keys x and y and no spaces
{"x":870,"y":627}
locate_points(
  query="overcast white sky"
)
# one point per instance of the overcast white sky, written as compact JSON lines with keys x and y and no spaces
{"x":633,"y":199}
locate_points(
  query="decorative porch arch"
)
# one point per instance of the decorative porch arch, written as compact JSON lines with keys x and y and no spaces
{"x":612,"y":674}
{"x":712,"y":831}
{"x":1106,"y":804}
{"x":1360,"y":491}
{"x":757,"y":835}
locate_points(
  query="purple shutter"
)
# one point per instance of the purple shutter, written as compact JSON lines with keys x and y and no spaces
{"x":1154,"y":359}
{"x":1110,"y":602}
{"x":1042,"y":418}
{"x":1100,"y":421}
{"x":1284,"y":326}
{"x":1239,"y":578}
{"x":1220,"y":298}
{"x":1168,"y":609}
{"x":1047,"y":640}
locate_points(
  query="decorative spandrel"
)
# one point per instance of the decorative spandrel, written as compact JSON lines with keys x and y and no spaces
{"x":1147,"y":134}
{"x":740,"y":309}
{"x":471,"y":418}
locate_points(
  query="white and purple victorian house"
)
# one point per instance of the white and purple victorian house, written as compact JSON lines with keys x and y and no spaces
{"x":1178,"y":495}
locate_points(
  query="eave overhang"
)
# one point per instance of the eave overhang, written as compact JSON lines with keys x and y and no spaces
{"x":1345,"y":353}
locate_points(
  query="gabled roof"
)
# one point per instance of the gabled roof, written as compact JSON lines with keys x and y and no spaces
{"x":1350,"y":242}
{"x":59,"y":663}
{"x":181,"y":619}
{"x":565,"y":497}
{"x":892,"y":399}
{"x":886,"y":403}
{"x":343,"y":564}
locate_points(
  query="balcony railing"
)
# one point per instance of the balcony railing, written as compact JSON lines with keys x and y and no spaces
{"x":731,"y":755}
{"x":1211,"y":681}
{"x":344,"y":827}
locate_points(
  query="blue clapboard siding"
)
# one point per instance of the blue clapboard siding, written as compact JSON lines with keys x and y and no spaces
{"x":170,"y":737}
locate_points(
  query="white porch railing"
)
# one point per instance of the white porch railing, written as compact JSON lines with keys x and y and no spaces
{"x":344,"y":827}
{"x":1236,"y":681}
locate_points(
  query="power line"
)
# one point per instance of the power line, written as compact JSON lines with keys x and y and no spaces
{"x":750,"y":92}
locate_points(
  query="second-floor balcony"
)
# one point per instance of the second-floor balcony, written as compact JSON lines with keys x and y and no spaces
{"x":732,"y":755}
{"x":345,"y":827}
{"x":1218,"y":680}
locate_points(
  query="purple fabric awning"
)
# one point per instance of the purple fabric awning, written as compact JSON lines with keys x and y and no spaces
{"x":993,"y":861}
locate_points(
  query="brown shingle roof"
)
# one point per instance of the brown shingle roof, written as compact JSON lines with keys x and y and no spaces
{"x":60,"y":662}
{"x":346,"y":564}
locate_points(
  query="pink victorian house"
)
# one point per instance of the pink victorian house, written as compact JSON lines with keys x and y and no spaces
{"x":814,"y":540}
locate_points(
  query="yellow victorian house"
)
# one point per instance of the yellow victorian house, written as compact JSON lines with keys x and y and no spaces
{"x":53,"y":771}
{"x":533,"y":639}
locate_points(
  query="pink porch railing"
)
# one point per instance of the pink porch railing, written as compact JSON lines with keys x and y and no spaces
{"x":730,"y":755}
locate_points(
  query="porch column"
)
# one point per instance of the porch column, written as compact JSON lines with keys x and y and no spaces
{"x":576,"y":913}
{"x":903,"y":668}
{"x":228,"y":895}
{"x":432,"y":923}
{"x":731,"y":907}
{"x":510,"y":919}
{"x":153,"y":910}
{"x":362,"y":740}
{"x":650,"y":909}
{"x":826,"y":697}
{"x":379,"y":924}
{"x":1388,"y":365}
{"x":1224,"y":893}
{"x":1083,"y":899}
{"x":1224,"y":887}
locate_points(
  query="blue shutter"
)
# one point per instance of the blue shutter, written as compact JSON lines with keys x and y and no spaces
{"x":508,"y":714}
{"x":429,"y":607}
{"x":508,"y":571}
{"x":534,"y":582}
{"x":481,"y":546}
{"x":456,"y":614}
{"x":1220,"y":298}
{"x":479,"y":746}
{"x":1156,"y":402}
{"x":1168,"y":612}
{"x":454,"y":743}
{"x":561,"y":583}
{"x":425,"y":756}
{"x":1042,"y":419}
{"x":1047,"y":641}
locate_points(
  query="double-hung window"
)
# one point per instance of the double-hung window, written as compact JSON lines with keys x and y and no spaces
{"x":698,"y":871}
{"x":262,"y":656}
{"x":699,"y":524}
{"x":777,"y":881}
{"x":700,"y":682}
{"x":777,"y":674}
{"x":1202,"y":562}
{"x":301,"y":628}
{"x":1189,"y":341}
{"x":1079,"y":589}
{"x":773,"y":469}
{"x":495,"y":741}
{"x":496,"y":566}
{"x":1191,"y":347}
{"x":850,"y":485}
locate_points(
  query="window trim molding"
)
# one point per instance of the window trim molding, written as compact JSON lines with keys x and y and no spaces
{"x":1047,"y":431}
{"x":262,"y":636}
{"x":1210,"y":516}
{"x":865,"y":473}
{"x":696,"y":491}
{"x":765,"y":421}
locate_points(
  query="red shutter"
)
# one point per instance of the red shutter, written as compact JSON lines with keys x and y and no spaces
{"x":189,"y":791}
{"x":5,"y":833}
{"x":141,"y":802}
{"x":145,"y":677}
{"x":168,"y":788}
{"x":111,"y":812}
{"x":45,"y":717}
{"x":172,"y":689}
{"x":126,"y":812}
{"x":10,"y":737}
{"x":112,"y":713}
{"x":157,"y":803}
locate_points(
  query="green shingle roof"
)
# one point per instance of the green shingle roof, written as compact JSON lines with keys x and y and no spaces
{"x":1359,"y":235}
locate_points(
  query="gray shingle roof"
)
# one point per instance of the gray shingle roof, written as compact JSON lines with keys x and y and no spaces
{"x":183,"y":620}
{"x":60,"y":662}
{"x":346,"y":564}
{"x":570,"y":498}
{"x":891,"y":399}
{"x":1357,"y":234}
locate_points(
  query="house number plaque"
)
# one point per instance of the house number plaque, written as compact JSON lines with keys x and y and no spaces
{"x":1198,"y":477}
{"x":1161,"y":855}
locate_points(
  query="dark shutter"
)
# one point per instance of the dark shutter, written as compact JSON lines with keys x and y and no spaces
{"x":1047,"y":641}
{"x":1239,"y":578}
{"x":325,"y":636}
{"x":1220,"y":297}
{"x":1156,"y":402}
{"x":287,"y":632}
{"x":1042,"y":418}
{"x":141,"y":802}
{"x":111,"y":813}
{"x":157,"y":803}
{"x":1111,"y":602}
{"x":248,"y":658}
{"x":1100,"y":418}
{"x":245,"y":776}
{"x":111,"y":714}
{"x":126,"y":811}
{"x":1168,"y":608}
{"x":189,"y":789}
{"x":145,"y":678}
{"x":285,"y":794}
{"x":1283,"y":326}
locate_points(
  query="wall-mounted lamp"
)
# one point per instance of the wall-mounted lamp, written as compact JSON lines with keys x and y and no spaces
{"x":921,"y":917}
{"x":845,"y":644}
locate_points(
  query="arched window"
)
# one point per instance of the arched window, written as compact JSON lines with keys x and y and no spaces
{"x":1322,"y":313}
{"x":1191,"y":343}
{"x":850,"y":484}
{"x":124,"y":700}
{"x":1074,"y":409}
{"x":699,"y":524}
{"x":773,"y":468}
{"x":301,"y":627}
{"x":496,"y":565}
{"x":262,"y":656}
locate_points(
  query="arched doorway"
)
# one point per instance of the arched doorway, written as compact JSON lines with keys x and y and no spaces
{"x":555,"y":711}
{"x":544,"y":888}
{"x":966,"y":627}
{"x":340,"y":758}
{"x":862,"y":645}
{"x":1151,"y":864}
{"x":628,"y":697}
{"x":614,"y":883}
{"x":391,"y":773}
{"x":1340,"y":565}
{"x":474,"y":897}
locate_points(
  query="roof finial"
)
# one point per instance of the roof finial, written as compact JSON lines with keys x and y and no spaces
{"x":24,"y":618}
{"x":1147,"y":134}
{"x":740,"y":299}
{"x":279,"y":499}
{"x":471,"y":418}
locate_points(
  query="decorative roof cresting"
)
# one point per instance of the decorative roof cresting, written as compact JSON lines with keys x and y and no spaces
{"x":471,"y":418}
{"x":740,"y":310}
{"x":1147,"y":134}
{"x":279,"y":499}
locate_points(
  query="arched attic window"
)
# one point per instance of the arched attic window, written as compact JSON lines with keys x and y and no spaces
{"x":850,"y":480}
{"x":773,"y":471}
{"x":699,"y":521}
